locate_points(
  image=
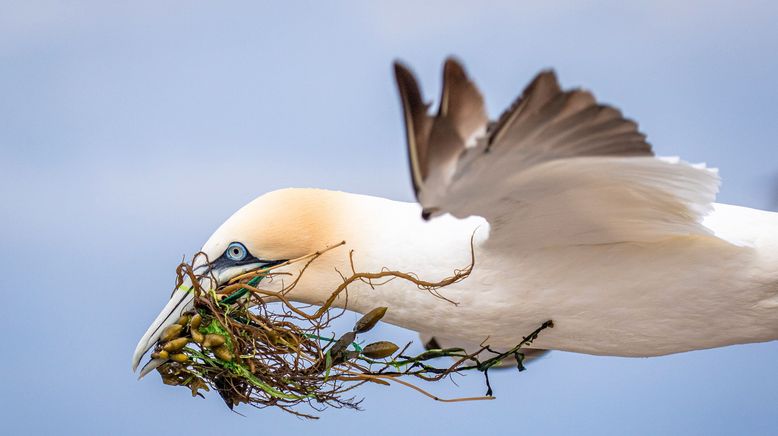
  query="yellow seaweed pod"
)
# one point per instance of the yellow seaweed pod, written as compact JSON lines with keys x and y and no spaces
{"x":197,"y":336}
{"x":213,"y":340}
{"x":380,"y":350}
{"x":179,"y":357}
{"x":370,"y":319}
{"x":175,"y":344}
{"x":194,"y":324}
{"x":223,"y":353}
{"x":171,"y":332}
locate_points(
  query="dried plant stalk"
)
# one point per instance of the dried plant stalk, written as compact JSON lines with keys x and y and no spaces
{"x":235,"y":344}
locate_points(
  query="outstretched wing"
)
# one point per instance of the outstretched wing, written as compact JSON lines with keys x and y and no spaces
{"x":556,"y":168}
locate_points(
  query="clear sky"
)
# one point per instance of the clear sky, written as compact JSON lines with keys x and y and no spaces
{"x":130,"y":130}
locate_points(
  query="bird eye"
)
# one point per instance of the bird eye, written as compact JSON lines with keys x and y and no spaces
{"x":236,"y":251}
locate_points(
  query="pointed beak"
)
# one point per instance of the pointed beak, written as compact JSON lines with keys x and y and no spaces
{"x":181,"y":301}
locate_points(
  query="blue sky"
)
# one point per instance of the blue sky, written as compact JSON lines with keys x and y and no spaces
{"x":130,"y":131}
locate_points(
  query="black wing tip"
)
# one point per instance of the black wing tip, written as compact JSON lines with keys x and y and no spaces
{"x":454,"y":74}
{"x":453,"y":70}
{"x":453,"y":66}
{"x":546,"y":77}
{"x":428,"y":213}
{"x":399,"y":65}
{"x":407,"y":84}
{"x":413,"y":109}
{"x":546,"y":74}
{"x":402,"y":71}
{"x":548,"y":71}
{"x":432,"y":344}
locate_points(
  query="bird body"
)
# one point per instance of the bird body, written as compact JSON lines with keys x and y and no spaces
{"x":627,"y":299}
{"x":572,"y":219}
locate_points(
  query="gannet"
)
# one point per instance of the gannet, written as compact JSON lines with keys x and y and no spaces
{"x":573,"y":219}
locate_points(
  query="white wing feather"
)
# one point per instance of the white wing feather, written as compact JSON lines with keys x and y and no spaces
{"x":588,"y":200}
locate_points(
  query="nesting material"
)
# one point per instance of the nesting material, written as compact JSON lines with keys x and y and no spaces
{"x":289,"y":358}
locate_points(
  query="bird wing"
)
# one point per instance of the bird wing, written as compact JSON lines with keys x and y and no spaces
{"x":556,"y":168}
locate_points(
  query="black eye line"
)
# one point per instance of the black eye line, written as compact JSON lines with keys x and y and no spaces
{"x":247,"y":260}
{"x":224,"y":261}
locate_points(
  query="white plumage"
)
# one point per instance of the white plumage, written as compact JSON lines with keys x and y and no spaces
{"x":574,"y":219}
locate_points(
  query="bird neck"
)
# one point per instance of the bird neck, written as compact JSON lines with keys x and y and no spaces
{"x":383,"y":235}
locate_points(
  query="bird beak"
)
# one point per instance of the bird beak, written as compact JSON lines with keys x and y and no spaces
{"x":180,"y":302}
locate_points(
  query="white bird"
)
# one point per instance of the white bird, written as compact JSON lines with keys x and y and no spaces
{"x":574,"y":219}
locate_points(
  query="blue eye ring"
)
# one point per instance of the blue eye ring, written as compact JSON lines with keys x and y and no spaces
{"x":236,"y":251}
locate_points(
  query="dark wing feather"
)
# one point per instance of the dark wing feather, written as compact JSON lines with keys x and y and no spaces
{"x":435,"y":143}
{"x":557,"y":168}
{"x":548,"y":123}
{"x":417,"y":123}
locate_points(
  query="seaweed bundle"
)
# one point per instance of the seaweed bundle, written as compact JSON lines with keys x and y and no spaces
{"x":251,"y":351}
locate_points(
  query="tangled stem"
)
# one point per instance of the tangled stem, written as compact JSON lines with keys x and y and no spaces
{"x":284,"y":358}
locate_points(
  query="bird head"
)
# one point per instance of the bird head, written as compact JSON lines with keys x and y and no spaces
{"x":276,"y":227}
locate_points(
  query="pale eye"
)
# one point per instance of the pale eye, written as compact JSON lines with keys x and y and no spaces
{"x":236,"y":251}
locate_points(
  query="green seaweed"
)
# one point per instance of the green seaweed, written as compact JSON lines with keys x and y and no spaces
{"x":216,"y":327}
